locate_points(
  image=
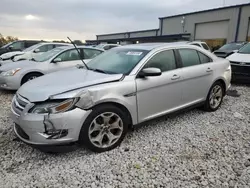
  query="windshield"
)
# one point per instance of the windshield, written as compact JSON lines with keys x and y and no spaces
{"x":31,"y":48}
{"x":232,"y":46}
{"x":245,"y":49}
{"x":117,"y":60}
{"x":6,"y":45}
{"x":47,"y":55}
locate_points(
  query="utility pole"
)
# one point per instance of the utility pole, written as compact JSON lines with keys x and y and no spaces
{"x":224,"y":3}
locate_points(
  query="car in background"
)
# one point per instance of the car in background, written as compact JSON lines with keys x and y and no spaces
{"x":13,"y":75}
{"x":107,"y":46}
{"x":18,"y":45}
{"x":228,"y":49}
{"x":122,"y":87}
{"x":30,"y":52}
{"x":240,"y":63}
{"x":201,"y":44}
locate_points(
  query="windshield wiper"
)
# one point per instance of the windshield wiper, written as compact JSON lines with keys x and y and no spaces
{"x":98,"y":70}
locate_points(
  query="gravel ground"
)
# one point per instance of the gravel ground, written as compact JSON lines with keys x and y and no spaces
{"x":192,"y":149}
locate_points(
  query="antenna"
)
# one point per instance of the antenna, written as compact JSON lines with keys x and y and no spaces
{"x":78,"y":53}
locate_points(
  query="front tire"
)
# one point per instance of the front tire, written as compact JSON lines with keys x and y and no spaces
{"x":104,"y":129}
{"x":30,"y":76}
{"x":214,"y":97}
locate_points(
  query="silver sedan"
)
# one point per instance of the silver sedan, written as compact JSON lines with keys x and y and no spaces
{"x":121,"y":88}
{"x":15,"y":74}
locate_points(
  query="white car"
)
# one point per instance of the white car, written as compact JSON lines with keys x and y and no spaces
{"x":30,"y":52}
{"x":201,"y":44}
{"x":107,"y":46}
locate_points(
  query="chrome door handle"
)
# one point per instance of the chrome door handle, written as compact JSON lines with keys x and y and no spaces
{"x":175,"y":77}
{"x":209,"y":70}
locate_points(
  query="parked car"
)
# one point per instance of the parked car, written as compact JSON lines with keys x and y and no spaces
{"x":228,"y":49}
{"x":18,"y":45}
{"x":201,"y":44}
{"x":123,"y":87}
{"x":30,"y":52}
{"x":107,"y":46}
{"x":240,"y":62}
{"x":13,"y":75}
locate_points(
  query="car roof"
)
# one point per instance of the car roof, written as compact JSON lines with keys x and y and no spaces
{"x":80,"y":46}
{"x":151,"y":46}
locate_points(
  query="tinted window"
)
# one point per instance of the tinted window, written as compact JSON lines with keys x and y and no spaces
{"x":232,"y":46}
{"x":17,"y":45}
{"x":204,"y":58}
{"x":205,"y":46}
{"x":69,"y":55}
{"x":245,"y":49}
{"x":106,"y":47}
{"x":91,"y":53}
{"x":189,"y":57}
{"x":45,"y":48}
{"x":164,"y":60}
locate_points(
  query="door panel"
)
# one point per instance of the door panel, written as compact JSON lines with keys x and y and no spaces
{"x":69,"y":58}
{"x":158,"y":95}
{"x":197,"y":75}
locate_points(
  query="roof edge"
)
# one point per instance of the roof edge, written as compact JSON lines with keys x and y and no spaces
{"x":128,"y":32}
{"x":208,"y":10}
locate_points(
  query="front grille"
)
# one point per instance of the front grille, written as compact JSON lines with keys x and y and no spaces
{"x":21,"y":132}
{"x":240,"y":63}
{"x":240,"y":69}
{"x":18,"y":104}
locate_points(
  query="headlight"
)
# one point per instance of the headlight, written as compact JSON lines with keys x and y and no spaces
{"x":54,"y":107}
{"x":11,"y":72}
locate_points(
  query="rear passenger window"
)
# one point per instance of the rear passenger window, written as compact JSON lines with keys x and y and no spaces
{"x":189,"y":57}
{"x":205,"y":46}
{"x":204,"y":58}
{"x":164,"y":60}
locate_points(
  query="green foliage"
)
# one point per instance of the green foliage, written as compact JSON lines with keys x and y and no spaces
{"x":6,"y":40}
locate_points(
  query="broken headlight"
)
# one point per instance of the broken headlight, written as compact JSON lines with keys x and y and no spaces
{"x":54,"y":107}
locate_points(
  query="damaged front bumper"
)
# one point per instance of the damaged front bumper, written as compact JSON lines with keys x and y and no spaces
{"x":43,"y":129}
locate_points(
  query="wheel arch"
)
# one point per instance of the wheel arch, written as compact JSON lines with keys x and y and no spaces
{"x":32,"y":72}
{"x":118,"y":105}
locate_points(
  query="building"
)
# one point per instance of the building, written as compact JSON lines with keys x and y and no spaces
{"x":214,"y":26}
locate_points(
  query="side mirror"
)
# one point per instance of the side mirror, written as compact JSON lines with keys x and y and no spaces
{"x":36,"y":50}
{"x":57,"y":60}
{"x":235,"y":51}
{"x":150,"y":72}
{"x":10,"y":47}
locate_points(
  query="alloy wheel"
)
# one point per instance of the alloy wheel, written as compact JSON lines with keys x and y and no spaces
{"x":216,"y":96}
{"x":105,"y":130}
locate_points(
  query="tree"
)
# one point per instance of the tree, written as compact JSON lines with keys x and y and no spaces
{"x":6,"y":40}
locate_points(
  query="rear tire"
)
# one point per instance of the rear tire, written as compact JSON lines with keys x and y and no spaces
{"x":214,"y":97}
{"x":104,"y":129}
{"x":30,"y":76}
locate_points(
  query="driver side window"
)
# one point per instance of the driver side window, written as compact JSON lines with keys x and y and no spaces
{"x":70,"y":55}
{"x":17,"y":45}
{"x":164,"y":60}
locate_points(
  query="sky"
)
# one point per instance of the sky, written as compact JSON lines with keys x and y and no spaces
{"x":84,"y":19}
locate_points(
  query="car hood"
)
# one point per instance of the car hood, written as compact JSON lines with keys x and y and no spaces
{"x":40,"y":89}
{"x":238,"y":57}
{"x":223,"y":51}
{"x":10,"y":54}
{"x":18,"y":64}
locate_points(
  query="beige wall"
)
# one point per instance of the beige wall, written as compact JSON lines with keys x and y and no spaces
{"x":173,"y":25}
{"x":244,"y":23}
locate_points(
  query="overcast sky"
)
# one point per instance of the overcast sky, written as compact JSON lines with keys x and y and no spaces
{"x":83,"y":19}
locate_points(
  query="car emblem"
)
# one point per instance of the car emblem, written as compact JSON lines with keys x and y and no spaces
{"x":242,"y":63}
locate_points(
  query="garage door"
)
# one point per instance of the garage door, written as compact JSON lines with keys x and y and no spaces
{"x":214,"y":33}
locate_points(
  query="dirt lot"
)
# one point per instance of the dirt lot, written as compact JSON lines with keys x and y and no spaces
{"x":192,"y":149}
